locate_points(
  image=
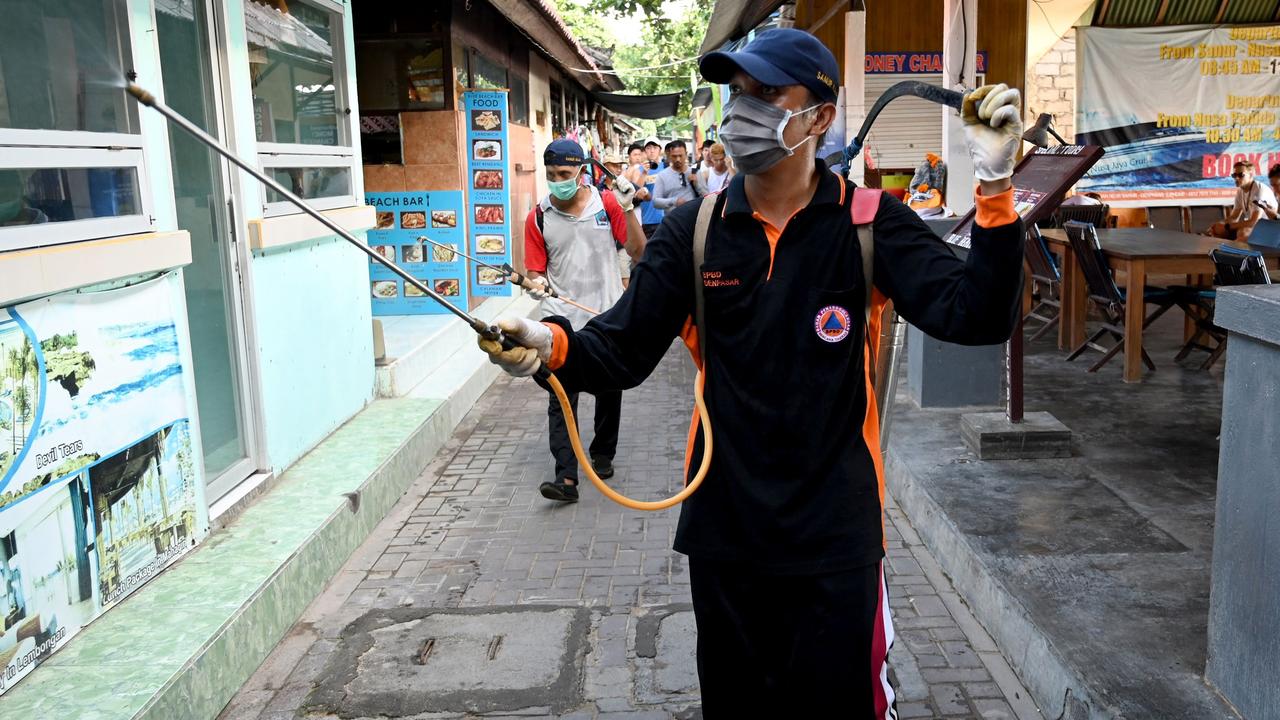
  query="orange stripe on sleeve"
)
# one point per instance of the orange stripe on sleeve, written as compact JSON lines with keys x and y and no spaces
{"x":995,"y":210}
{"x":559,"y":347}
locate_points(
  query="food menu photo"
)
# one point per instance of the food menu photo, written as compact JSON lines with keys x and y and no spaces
{"x":406,"y":224}
{"x":488,"y":192}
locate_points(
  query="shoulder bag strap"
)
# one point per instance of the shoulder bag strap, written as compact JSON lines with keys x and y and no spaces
{"x":700,"y":228}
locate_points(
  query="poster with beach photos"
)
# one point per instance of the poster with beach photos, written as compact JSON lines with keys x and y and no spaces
{"x":100,"y":480}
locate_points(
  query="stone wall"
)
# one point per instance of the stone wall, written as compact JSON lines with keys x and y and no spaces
{"x":1051,"y":86}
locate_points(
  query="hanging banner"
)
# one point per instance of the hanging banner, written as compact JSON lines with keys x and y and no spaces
{"x":488,"y":189}
{"x":1175,"y":109}
{"x":403,"y":220}
{"x":100,"y":488}
{"x":914,"y":63}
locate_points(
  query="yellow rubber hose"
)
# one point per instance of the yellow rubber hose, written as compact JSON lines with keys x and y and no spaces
{"x":616,"y":496}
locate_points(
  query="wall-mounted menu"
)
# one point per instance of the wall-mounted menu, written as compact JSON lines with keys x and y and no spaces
{"x":403,"y":219}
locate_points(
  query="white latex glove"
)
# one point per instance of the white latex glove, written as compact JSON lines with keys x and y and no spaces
{"x":992,"y":117}
{"x":535,"y":339}
{"x":625,"y":192}
{"x":540,"y":293}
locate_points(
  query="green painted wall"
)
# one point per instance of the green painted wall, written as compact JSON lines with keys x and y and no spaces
{"x":315,"y":343}
{"x":310,"y":302}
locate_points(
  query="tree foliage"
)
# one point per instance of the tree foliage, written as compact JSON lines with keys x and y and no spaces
{"x":65,"y":364}
{"x":662,"y":41}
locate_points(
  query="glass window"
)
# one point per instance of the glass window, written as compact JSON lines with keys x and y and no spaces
{"x":487,"y":74}
{"x":557,"y":109}
{"x":62,"y":67}
{"x":33,"y":196}
{"x":70,"y":146}
{"x":324,"y":181}
{"x":519,"y":100}
{"x":400,"y":74}
{"x":380,"y":139}
{"x":296,"y":98}
{"x":311,"y":183}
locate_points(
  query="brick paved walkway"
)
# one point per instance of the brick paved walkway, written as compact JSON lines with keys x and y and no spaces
{"x":472,"y":538}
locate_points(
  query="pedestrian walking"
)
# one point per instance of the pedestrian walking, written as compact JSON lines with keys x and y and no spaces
{"x":784,"y":538}
{"x":650,"y":216}
{"x":677,"y":184}
{"x":572,"y":240}
{"x":716,"y":170}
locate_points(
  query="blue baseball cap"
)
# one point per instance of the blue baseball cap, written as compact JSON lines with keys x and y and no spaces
{"x":785,"y":56}
{"x":563,"y":152}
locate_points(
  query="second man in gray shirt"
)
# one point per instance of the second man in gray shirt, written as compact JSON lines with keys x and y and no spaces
{"x":677,"y":184}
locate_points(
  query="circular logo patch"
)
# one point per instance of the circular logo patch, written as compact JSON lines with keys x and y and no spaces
{"x":832,"y":323}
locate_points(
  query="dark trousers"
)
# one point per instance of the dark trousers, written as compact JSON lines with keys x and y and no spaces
{"x":650,"y":229}
{"x":605,"y":442}
{"x":792,"y":645}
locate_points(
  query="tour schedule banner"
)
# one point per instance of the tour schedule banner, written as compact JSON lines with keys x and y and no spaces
{"x":403,"y":220}
{"x":1175,"y":109}
{"x":100,"y":483}
{"x":488,"y":189}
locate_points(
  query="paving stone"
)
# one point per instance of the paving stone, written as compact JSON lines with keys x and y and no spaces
{"x":473,"y":535}
{"x":948,"y":700}
{"x":914,"y":710}
{"x":994,"y":709}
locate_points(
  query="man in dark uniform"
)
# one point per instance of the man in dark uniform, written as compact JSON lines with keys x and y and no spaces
{"x":785,"y":538}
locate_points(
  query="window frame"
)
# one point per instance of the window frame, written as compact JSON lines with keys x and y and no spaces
{"x":31,"y":148}
{"x":306,"y":155}
{"x":270,"y":161}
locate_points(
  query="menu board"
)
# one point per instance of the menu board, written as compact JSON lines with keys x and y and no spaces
{"x":488,"y":189}
{"x":403,"y":219}
{"x":1040,"y":181}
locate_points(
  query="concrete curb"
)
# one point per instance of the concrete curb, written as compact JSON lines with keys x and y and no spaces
{"x":1059,"y":691}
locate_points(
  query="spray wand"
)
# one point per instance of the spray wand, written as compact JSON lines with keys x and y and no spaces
{"x":514,"y":276}
{"x":483,"y":329}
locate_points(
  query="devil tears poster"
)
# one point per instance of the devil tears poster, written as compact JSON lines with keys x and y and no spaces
{"x":1175,"y":108}
{"x":100,"y":485}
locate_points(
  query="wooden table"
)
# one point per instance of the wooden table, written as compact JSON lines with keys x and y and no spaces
{"x":1138,"y":252}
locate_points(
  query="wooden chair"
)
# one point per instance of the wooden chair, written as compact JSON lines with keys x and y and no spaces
{"x":1046,"y":284}
{"x":1168,"y":218}
{"x":1095,"y":215}
{"x":1108,"y":297}
{"x":1232,"y":266}
{"x":1204,"y":216}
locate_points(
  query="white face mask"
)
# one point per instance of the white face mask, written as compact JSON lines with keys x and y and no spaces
{"x":752,"y":133}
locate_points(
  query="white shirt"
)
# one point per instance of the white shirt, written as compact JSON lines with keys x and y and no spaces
{"x":712,"y":180}
{"x":1243,"y":206}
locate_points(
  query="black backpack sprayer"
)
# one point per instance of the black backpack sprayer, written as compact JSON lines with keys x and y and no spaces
{"x":886,"y":362}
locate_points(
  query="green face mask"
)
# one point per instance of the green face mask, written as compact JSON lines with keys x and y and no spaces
{"x":565,"y":189}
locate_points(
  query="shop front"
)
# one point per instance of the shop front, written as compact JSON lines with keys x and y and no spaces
{"x":158,"y":354}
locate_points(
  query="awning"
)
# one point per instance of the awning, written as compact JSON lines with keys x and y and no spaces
{"x":1145,"y":13}
{"x":702,"y":98}
{"x":647,"y":107}
{"x":732,"y":19}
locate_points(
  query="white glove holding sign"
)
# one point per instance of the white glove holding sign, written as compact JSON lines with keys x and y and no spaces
{"x":992,"y":117}
{"x":534,"y":339}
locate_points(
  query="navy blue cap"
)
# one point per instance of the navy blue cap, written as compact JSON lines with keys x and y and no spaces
{"x":784,"y":56}
{"x":563,"y":152}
